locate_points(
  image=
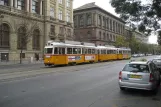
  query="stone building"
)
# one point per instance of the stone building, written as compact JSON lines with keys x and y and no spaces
{"x":138,"y":35}
{"x":41,"y":20}
{"x":96,"y":25}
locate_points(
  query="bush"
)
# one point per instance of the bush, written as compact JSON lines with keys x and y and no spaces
{"x":143,"y":59}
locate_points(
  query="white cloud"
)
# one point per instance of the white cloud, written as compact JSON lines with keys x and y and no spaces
{"x":101,"y":3}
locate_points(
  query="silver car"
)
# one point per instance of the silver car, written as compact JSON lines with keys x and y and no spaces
{"x":140,"y":75}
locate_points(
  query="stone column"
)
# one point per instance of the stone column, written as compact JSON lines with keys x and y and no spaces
{"x":85,"y":19}
{"x":71,"y":17}
{"x":65,"y":11}
{"x":29,"y":44}
{"x":30,"y":6}
{"x":13,"y":40}
{"x":27,"y":5}
{"x":15,"y":4}
{"x":40,"y":7}
{"x":95,"y":19}
{"x":11,"y":3}
{"x":92,"y":19}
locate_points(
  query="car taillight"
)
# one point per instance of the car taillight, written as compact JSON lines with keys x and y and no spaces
{"x":151,"y":79}
{"x":120,"y":75}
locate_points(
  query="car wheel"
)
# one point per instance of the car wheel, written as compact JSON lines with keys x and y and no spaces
{"x":154,"y":91}
{"x":122,"y":88}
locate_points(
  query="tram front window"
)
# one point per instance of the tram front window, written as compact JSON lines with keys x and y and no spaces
{"x":48,"y":50}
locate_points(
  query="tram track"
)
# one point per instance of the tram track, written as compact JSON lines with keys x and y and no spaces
{"x":22,"y":74}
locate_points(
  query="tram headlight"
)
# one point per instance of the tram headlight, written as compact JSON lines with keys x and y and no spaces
{"x":47,"y":56}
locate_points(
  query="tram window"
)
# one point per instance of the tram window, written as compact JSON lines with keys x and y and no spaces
{"x":79,"y":50}
{"x":75,"y":51}
{"x":83,"y":51}
{"x":48,"y":50}
{"x":55,"y":50}
{"x":63,"y":50}
{"x":89,"y":51}
{"x":86,"y":51}
{"x":93,"y":51}
{"x":101,"y":51}
{"x":107,"y":51}
{"x":111,"y":51}
{"x":69,"y":50}
{"x":104,"y":51}
{"x":120,"y":52}
{"x":60,"y":51}
{"x":98,"y":51}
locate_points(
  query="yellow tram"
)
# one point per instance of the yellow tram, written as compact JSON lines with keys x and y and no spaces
{"x":57,"y":53}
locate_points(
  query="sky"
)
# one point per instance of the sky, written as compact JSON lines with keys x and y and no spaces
{"x":107,"y":6}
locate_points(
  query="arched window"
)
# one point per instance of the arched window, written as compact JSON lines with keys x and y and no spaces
{"x":81,"y":21}
{"x":36,"y":39}
{"x":4,"y":35}
{"x":89,"y":20}
{"x":22,"y":38}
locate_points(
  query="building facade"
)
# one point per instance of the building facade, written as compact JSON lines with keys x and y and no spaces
{"x":28,"y":24}
{"x":138,"y":35}
{"x":141,"y":37}
{"x":94,"y":24}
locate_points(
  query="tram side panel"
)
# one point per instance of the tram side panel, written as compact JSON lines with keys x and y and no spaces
{"x":75,"y":58}
{"x":55,"y":60}
{"x":90,"y":58}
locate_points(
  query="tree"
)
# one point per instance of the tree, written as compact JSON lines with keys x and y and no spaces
{"x":121,"y":42}
{"x":134,"y":45}
{"x":159,"y":37}
{"x":146,"y":14}
{"x":24,"y":34}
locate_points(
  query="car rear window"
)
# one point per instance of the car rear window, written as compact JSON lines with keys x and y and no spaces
{"x":136,"y":68}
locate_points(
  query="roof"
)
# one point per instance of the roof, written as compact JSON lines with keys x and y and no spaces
{"x":93,"y":5}
{"x":86,"y":6}
{"x":139,"y":62}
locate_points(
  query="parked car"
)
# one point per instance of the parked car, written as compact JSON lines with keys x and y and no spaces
{"x":135,"y":55}
{"x":140,"y":75}
{"x":157,"y":62}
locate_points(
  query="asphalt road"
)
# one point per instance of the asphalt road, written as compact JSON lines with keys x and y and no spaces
{"x":85,"y":86}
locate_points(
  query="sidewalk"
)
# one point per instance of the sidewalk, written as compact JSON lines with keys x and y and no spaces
{"x":15,"y":62}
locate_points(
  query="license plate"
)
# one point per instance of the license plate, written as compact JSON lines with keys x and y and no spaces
{"x":135,"y":76}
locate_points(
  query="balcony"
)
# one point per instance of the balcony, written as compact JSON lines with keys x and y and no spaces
{"x":52,"y":35}
{"x":52,"y":19}
{"x":61,"y":36}
{"x":3,"y":7}
{"x":37,"y":15}
{"x":61,"y":21}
